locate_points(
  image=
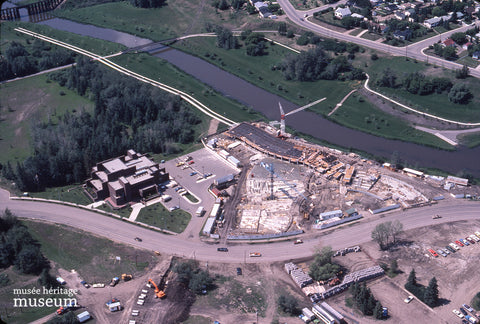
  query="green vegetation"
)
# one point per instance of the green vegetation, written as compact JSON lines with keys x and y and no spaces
{"x":158,"y":216}
{"x":192,"y":198}
{"x":45,"y":101}
{"x":197,"y":280}
{"x":94,"y":45}
{"x":197,"y":319}
{"x":428,"y":295}
{"x":172,"y":20}
{"x":288,"y":304}
{"x":386,"y":234}
{"x":234,"y":295}
{"x":73,"y":194}
{"x":365,"y":301}
{"x":470,"y":139}
{"x":322,"y":267}
{"x":475,"y":303}
{"x":357,"y":113}
{"x":94,"y":258}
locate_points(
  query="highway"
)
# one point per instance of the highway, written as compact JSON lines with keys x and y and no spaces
{"x":414,"y":51}
{"x":124,"y":232}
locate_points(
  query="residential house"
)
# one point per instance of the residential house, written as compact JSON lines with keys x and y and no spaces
{"x":342,"y":12}
{"x":402,"y":34}
{"x":449,"y":43}
{"x":466,"y":45}
{"x":399,"y":15}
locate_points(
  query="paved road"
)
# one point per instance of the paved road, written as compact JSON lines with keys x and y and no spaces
{"x":413,"y":51}
{"x":123,"y":232}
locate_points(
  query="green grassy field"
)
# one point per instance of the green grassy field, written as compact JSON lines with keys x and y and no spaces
{"x":164,"y":72}
{"x":45,"y":100}
{"x":470,"y":139}
{"x":91,"y":256}
{"x":73,"y":194}
{"x":358,"y":113}
{"x":173,"y":20}
{"x":258,"y":71}
{"x":159,"y":216}
{"x":94,"y":45}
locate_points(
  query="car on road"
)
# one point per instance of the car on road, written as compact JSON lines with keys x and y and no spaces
{"x":464,"y":312}
{"x":436,"y":216}
{"x":467,"y":307}
{"x":456,"y":312}
{"x":408,"y":299}
{"x":138,"y":239}
{"x":432,"y":252}
{"x":193,"y":173}
{"x":298,"y":241}
{"x":222,"y":249}
{"x":239,"y":271}
{"x":255,"y":254}
{"x":459,"y":243}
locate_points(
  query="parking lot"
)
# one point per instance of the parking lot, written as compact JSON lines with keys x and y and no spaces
{"x":190,"y":177}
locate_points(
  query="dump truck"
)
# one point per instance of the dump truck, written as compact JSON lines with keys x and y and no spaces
{"x":126,"y":277}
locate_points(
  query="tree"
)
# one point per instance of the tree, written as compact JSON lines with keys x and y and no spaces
{"x":459,"y":38}
{"x":395,"y":229}
{"x":378,"y":310}
{"x":460,"y":94}
{"x":394,"y":266}
{"x":322,"y":267}
{"x":47,"y":280}
{"x":68,"y":318}
{"x":200,"y":281}
{"x":380,"y":235}
{"x":449,"y":53}
{"x":30,"y":260}
{"x":282,"y":28}
{"x":431,"y":293}
{"x":411,"y":281}
{"x":288,"y":304}
{"x":462,"y":73}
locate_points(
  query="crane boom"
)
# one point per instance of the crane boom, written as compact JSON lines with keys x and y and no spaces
{"x":304,"y":107}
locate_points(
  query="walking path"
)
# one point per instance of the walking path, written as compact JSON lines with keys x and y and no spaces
{"x":341,"y":102}
{"x":450,"y":136}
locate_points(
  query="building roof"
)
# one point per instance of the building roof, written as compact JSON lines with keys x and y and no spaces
{"x":343,"y":11}
{"x":114,"y":165}
{"x":449,"y":42}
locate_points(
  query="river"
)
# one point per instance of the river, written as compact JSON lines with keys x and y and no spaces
{"x":304,"y":121}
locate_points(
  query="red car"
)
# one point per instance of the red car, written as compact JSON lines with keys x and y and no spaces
{"x":191,"y":162}
{"x":459,"y":243}
{"x":432,"y":252}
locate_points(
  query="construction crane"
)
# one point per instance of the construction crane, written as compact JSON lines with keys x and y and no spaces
{"x":270,"y":168}
{"x":159,"y":293}
{"x":283,"y":115}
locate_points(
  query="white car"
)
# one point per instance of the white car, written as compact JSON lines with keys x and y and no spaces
{"x":408,"y":299}
{"x":456,"y":312}
{"x":475,"y":238}
{"x":454,"y":246}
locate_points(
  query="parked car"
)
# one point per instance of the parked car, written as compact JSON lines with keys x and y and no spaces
{"x":469,"y":239}
{"x":408,"y":299}
{"x":432,"y":252}
{"x":446,"y":250}
{"x":440,"y":251}
{"x":477,"y":233}
{"x":474,"y":237}
{"x":222,"y":249}
{"x":456,"y":312}
{"x":193,"y":173}
{"x":191,"y":162}
{"x":298,"y":241}
{"x":464,"y":312}
{"x":138,"y":239}
{"x":459,"y":243}
{"x":449,"y":248}
{"x":465,"y":242}
{"x":467,"y":307}
{"x":454,"y":246}
{"x":173,"y":208}
{"x":85,"y":284}
{"x":239,"y":271}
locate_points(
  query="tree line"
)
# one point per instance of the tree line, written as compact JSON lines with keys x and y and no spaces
{"x":127,"y":114}
{"x":386,"y":234}
{"x":19,"y":249}
{"x":418,"y":83}
{"x":365,"y":301}
{"x":18,"y":61}
{"x":428,"y":295}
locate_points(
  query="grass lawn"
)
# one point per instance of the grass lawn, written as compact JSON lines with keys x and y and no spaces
{"x":159,"y":216}
{"x":158,"y":69}
{"x":468,"y":61}
{"x":94,"y":45}
{"x":356,"y":31}
{"x":191,"y":198}
{"x":470,"y":139}
{"x":73,"y":194}
{"x":371,"y":36}
{"x":358,"y":113}
{"x":175,"y":19}
{"x":234,"y":295}
{"x":45,"y":100}
{"x":91,"y":256}
{"x":257,"y":70}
